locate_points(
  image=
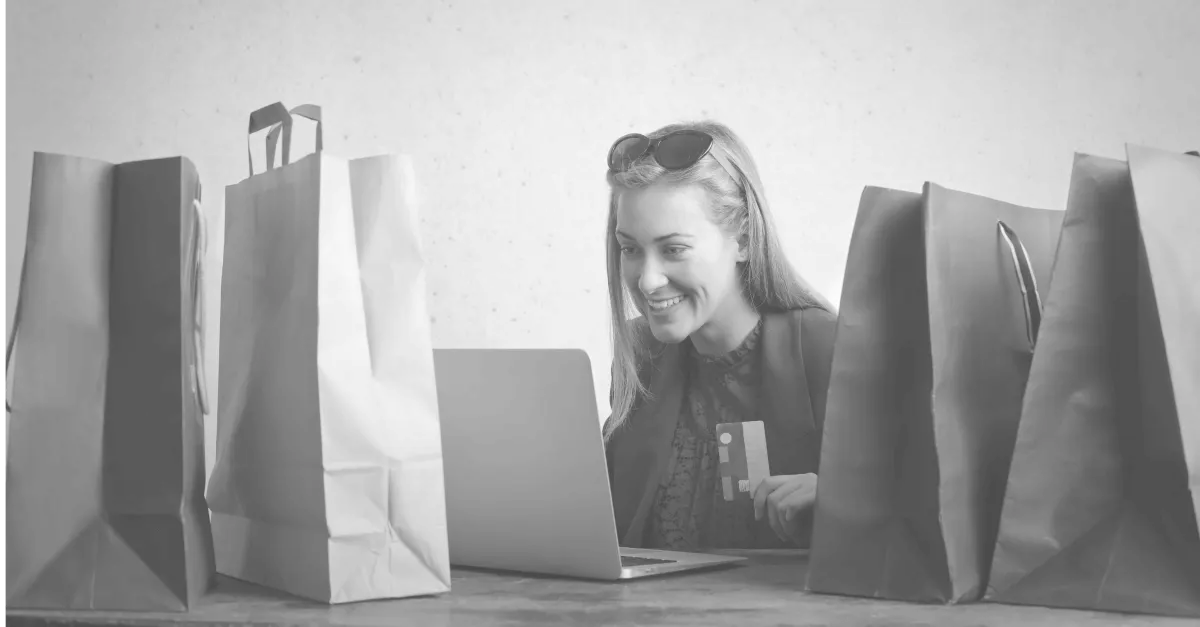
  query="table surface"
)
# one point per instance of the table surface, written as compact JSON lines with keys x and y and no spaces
{"x":765,"y":590}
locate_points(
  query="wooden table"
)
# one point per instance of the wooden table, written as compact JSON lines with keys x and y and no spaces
{"x":767,"y":590}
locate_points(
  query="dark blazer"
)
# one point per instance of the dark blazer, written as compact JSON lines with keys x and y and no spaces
{"x":797,"y":353}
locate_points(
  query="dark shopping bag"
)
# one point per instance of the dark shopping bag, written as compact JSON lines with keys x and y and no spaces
{"x":106,"y":441}
{"x":1104,"y":490}
{"x":939,"y":313}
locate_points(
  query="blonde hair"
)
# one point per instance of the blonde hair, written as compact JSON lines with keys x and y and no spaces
{"x":739,"y":207}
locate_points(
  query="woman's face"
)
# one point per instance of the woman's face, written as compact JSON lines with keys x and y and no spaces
{"x":680,"y":267}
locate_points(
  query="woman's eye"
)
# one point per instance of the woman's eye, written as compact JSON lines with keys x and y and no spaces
{"x":675,"y":251}
{"x":628,"y":250}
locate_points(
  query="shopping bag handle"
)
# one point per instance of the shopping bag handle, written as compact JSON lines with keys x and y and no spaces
{"x":1031,"y":300}
{"x":266,"y":117}
{"x":199,"y":244}
{"x":12,"y":334}
{"x":4,"y":381}
{"x":310,"y":111}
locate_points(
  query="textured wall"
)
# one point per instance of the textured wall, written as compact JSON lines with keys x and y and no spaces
{"x":508,"y":109}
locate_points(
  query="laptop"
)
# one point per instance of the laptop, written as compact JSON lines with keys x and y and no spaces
{"x":526,"y":477}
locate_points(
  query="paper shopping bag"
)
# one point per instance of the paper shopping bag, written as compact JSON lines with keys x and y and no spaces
{"x":938,"y":317}
{"x":328,"y":475}
{"x":1102,"y":498}
{"x":106,"y":442}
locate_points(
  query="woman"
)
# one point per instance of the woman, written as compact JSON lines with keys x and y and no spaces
{"x":727,"y":332}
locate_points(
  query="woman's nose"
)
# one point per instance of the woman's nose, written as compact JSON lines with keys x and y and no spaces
{"x":651,"y":278}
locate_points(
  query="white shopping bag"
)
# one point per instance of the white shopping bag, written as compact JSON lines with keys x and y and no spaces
{"x":328,"y":475}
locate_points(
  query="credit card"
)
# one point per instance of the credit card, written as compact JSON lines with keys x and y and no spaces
{"x":742,"y":449}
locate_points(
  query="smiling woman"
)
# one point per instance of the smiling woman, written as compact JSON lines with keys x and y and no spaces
{"x":664,"y":229}
{"x":722,"y":330}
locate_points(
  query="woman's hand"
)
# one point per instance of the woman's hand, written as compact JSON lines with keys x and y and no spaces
{"x":782,"y":499}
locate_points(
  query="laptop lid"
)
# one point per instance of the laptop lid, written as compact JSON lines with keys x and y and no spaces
{"x":525,"y":474}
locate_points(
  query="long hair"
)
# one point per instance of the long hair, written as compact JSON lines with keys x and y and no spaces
{"x":739,"y":206}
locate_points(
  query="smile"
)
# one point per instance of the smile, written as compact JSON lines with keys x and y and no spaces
{"x":664,"y":305}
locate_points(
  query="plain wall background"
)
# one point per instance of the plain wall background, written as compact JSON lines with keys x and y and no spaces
{"x":509,"y":108}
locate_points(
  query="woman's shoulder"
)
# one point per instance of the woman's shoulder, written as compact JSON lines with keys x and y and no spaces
{"x":808,"y":321}
{"x":812,"y":330}
{"x":819,"y":320}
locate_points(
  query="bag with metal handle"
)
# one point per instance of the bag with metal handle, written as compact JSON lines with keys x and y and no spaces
{"x":1104,"y":492}
{"x":938,"y":320}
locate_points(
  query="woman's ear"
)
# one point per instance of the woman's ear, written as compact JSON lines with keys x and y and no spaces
{"x":743,"y":252}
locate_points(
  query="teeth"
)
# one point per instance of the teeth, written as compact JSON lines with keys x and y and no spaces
{"x":666,"y":304}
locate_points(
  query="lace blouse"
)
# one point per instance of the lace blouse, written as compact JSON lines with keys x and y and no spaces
{"x":690,"y":512}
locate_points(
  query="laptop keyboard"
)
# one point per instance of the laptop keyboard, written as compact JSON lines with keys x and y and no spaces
{"x":629,"y":560}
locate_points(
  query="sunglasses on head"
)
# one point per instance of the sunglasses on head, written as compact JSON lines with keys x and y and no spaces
{"x":674,"y":151}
